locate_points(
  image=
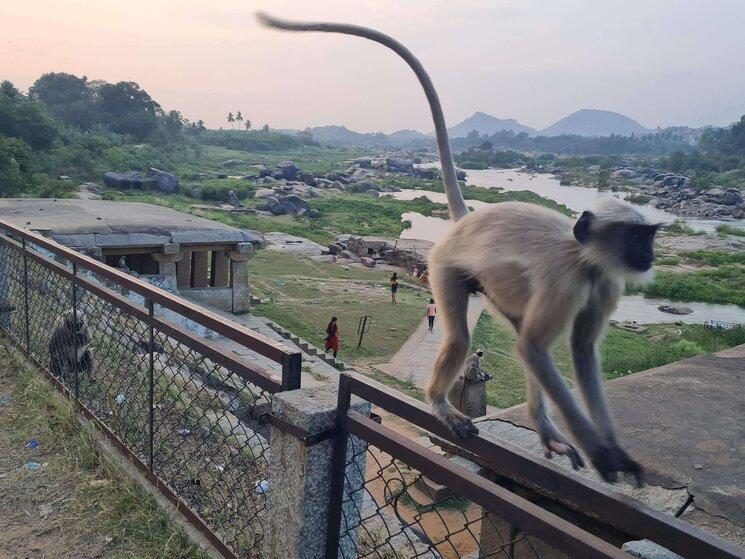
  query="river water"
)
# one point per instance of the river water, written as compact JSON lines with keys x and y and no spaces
{"x":632,"y":308}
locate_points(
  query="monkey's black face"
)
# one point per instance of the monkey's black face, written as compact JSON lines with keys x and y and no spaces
{"x":638,"y":254}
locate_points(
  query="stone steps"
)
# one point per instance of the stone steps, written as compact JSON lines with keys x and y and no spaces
{"x":306,"y":346}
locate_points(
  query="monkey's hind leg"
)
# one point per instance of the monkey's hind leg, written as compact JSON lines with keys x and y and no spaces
{"x":452,"y":298}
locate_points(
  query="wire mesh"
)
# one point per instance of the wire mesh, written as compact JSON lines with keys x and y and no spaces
{"x":392,"y":511}
{"x":192,"y":422}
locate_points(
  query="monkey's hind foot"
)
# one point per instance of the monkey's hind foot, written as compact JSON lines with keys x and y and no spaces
{"x":554,"y":442}
{"x":611,"y":459}
{"x":456,"y":422}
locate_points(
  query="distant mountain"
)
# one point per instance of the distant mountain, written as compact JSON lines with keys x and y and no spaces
{"x":487,"y":124}
{"x":404,"y":137}
{"x":594,"y":122}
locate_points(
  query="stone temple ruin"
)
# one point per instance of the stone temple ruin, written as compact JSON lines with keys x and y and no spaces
{"x":200,"y":259}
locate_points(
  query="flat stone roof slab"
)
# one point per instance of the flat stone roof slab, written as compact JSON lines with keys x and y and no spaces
{"x":685,"y":423}
{"x":103,"y":223}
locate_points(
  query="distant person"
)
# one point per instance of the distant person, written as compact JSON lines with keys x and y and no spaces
{"x":431,"y":312}
{"x":332,"y":337}
{"x":394,"y":286}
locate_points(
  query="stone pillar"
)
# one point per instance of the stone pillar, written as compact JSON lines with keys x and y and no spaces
{"x":167,"y":264}
{"x":469,"y":396}
{"x":239,"y":277}
{"x":200,"y":268}
{"x":300,"y":477}
{"x":220,"y":269}
{"x":183,"y":270}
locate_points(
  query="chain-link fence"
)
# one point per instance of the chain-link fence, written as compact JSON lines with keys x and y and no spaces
{"x":397,"y":498}
{"x":188,"y":413}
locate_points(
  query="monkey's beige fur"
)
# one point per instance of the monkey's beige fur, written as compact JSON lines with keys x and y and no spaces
{"x":543,"y":273}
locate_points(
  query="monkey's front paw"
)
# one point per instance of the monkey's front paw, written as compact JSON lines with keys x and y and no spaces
{"x":611,"y":459}
{"x":458,"y":423}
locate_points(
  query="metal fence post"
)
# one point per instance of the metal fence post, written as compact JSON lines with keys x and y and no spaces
{"x":291,"y":368}
{"x":25,"y":296}
{"x":76,"y":373}
{"x":151,"y":382}
{"x":337,"y":468}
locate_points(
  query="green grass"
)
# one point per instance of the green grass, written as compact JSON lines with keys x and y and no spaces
{"x":102,"y":512}
{"x":679,"y":227}
{"x":725,"y":284}
{"x":488,"y":195}
{"x":714,"y":258}
{"x":622,"y":352}
{"x":639,"y":199}
{"x":725,"y":229}
{"x":669,"y":261}
{"x":303,"y":294}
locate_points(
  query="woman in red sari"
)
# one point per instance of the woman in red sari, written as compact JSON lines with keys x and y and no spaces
{"x":332,"y":338}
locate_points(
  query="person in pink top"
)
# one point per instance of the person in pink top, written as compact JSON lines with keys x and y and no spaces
{"x":431,"y":312}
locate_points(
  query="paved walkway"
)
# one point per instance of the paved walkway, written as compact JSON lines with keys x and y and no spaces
{"x":415,"y":359}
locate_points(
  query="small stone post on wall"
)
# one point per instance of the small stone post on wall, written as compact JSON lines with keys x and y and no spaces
{"x":239,"y":277}
{"x":300,"y":477}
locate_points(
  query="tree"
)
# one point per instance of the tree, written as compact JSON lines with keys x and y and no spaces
{"x":69,"y":98}
{"x":265,"y":128}
{"x":24,"y":118}
{"x":15,"y":163}
{"x":172,"y":124}
{"x":231,"y":119}
{"x":125,"y":108}
{"x":247,"y":124}
{"x":238,"y":117}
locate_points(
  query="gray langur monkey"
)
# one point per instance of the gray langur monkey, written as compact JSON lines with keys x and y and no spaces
{"x":544,"y":274}
{"x":69,"y":347}
{"x":474,"y":370}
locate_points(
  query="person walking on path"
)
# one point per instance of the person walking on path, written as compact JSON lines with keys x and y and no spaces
{"x":394,"y":286}
{"x":332,"y":337}
{"x":431,"y":312}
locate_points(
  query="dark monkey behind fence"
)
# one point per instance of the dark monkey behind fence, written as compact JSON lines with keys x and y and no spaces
{"x":69,"y":347}
{"x":541,"y":271}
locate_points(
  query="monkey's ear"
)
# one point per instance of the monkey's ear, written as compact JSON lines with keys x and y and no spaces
{"x":582,"y":227}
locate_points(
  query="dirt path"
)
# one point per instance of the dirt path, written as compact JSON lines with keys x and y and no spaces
{"x":64,"y":499}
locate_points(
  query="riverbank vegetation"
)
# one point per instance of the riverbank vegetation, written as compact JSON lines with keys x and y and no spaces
{"x":623,"y":352}
{"x":359,"y":214}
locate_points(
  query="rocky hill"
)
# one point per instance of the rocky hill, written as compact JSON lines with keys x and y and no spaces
{"x":487,"y":124}
{"x":594,"y":122}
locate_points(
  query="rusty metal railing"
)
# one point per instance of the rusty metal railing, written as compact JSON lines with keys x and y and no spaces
{"x":136,"y":362}
{"x":375,"y":511}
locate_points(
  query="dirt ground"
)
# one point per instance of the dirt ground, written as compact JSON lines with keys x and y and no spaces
{"x":63,"y":499}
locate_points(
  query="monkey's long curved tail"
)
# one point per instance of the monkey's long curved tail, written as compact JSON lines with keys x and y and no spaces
{"x":456,"y":203}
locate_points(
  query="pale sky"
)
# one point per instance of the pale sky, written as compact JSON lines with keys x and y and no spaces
{"x":659,"y":62}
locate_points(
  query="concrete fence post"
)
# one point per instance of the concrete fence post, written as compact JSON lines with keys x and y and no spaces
{"x":300,"y":476}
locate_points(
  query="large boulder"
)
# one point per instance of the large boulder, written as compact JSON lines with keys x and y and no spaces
{"x":307,"y":178}
{"x":264,"y":193}
{"x":285,"y":205}
{"x":165,"y":182}
{"x":123,"y":181}
{"x":427,"y":174}
{"x":362,"y":186}
{"x":289,"y":170}
{"x":363,"y":162}
{"x":398,"y":165}
{"x":233,"y":200}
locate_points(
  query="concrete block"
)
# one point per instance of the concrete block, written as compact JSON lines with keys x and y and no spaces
{"x":300,"y":477}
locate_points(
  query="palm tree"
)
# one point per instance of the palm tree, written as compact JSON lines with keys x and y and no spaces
{"x":231,"y":119}
{"x":238,"y":117}
{"x":247,"y":125}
